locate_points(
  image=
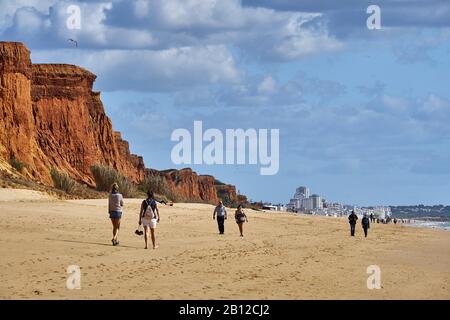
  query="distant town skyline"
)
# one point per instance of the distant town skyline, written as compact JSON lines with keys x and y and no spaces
{"x":304,"y":202}
{"x":362,"y":114}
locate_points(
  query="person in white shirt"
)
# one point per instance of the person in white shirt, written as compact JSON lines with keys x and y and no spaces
{"x":221,"y":213}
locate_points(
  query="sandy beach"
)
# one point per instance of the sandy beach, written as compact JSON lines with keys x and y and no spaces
{"x":282,"y":256}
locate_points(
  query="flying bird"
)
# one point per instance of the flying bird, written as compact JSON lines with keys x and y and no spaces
{"x":74,"y":41}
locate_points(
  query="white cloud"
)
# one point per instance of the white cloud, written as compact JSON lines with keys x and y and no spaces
{"x":29,"y":21}
{"x":48,"y":28}
{"x":187,"y":14}
{"x":9,"y":8}
{"x":296,"y":39}
{"x":267,"y":86}
{"x":141,"y":8}
{"x":164,"y":24}
{"x":434,"y":103}
{"x":151,"y":70}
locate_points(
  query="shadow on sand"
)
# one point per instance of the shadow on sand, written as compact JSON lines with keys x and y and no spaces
{"x":94,"y":243}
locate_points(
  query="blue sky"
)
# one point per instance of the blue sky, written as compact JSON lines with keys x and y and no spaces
{"x":363,"y":114}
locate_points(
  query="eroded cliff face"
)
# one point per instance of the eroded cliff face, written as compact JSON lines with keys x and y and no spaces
{"x":228,"y":193}
{"x":17,"y":129}
{"x":50,"y":117}
{"x":191,"y":186}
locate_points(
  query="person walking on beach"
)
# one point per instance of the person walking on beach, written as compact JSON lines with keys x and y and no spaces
{"x":352,"y":218}
{"x":221,"y":213}
{"x":149,"y":217}
{"x":371,"y":217}
{"x":115,"y":206}
{"x":240,"y":218}
{"x":365,"y":225}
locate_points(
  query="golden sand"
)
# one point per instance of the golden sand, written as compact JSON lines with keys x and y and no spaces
{"x":282,"y":256}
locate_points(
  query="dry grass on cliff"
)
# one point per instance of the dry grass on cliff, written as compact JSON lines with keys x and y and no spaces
{"x":17,"y":164}
{"x":9,"y":180}
{"x":159,"y":186}
{"x":63,"y":181}
{"x":73,"y":189}
{"x":105,"y":176}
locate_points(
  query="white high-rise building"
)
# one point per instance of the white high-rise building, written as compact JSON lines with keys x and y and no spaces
{"x":296,"y":203}
{"x":307,"y":204}
{"x":301,"y":193}
{"x":316,"y":202}
{"x":303,"y":201}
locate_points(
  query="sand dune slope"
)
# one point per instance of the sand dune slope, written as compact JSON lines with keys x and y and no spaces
{"x":282,"y":256}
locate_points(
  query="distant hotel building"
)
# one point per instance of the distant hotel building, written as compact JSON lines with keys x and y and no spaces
{"x":302,"y":201}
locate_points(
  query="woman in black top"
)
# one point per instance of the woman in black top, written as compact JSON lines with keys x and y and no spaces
{"x":149,"y":217}
{"x":240,"y":219}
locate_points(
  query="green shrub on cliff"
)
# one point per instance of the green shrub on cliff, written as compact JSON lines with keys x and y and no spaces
{"x":159,"y":186}
{"x":224,"y":195}
{"x":17,"y":164}
{"x":105,"y":176}
{"x":63,"y":181}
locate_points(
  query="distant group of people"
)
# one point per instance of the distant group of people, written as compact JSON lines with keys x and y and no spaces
{"x":149,"y":216}
{"x":367,"y":219}
{"x":394,"y":220}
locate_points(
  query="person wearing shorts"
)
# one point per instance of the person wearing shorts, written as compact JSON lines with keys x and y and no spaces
{"x":240,"y":218}
{"x":149,"y":217}
{"x":115,"y":206}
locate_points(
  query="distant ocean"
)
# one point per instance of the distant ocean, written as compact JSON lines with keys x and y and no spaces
{"x":445,"y":225}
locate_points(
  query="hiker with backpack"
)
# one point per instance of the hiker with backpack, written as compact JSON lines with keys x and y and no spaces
{"x":149,"y":217}
{"x":365,"y":222}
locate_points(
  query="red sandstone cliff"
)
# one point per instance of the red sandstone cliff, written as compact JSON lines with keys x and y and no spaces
{"x":72,"y":128}
{"x":187,"y":184}
{"x":17,"y":128}
{"x":50,"y":117}
{"x":190,"y":186}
